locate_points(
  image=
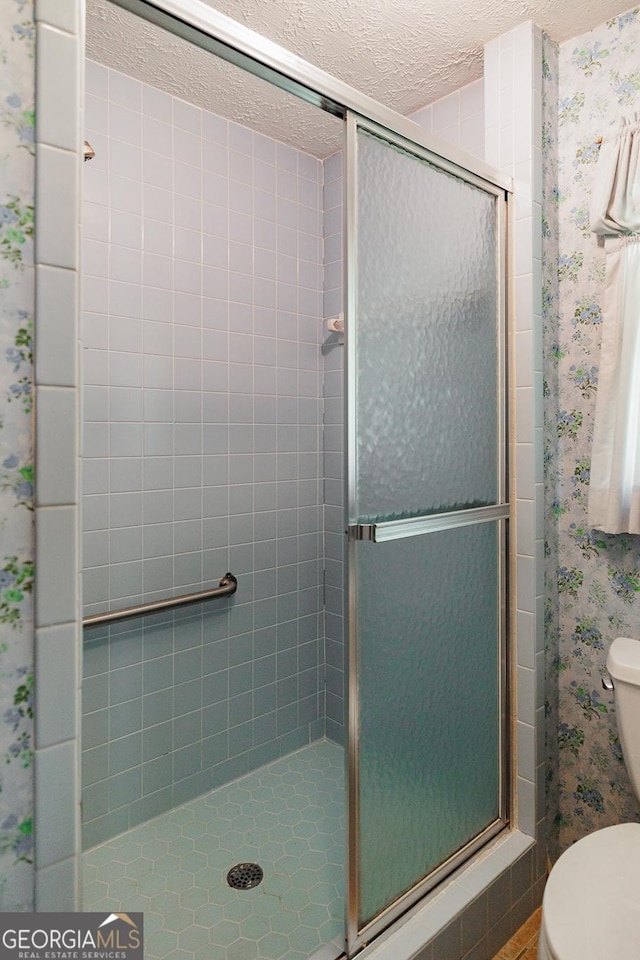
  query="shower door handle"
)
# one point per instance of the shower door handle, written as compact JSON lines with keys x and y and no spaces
{"x":416,"y":526}
{"x":361,"y":531}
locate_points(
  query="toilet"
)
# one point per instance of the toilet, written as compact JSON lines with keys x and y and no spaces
{"x":591,"y":904}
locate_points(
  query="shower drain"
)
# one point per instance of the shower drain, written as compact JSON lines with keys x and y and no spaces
{"x":244,"y":876}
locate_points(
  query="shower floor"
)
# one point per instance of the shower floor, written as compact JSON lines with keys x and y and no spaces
{"x":287,"y":816}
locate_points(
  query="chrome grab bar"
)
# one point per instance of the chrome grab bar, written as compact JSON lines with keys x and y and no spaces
{"x":228,"y":586}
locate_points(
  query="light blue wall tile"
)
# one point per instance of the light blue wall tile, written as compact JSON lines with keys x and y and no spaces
{"x":157,"y":741}
{"x":55,"y":778}
{"x":125,"y":753}
{"x":125,"y":718}
{"x":187,"y":729}
{"x":240,"y":738}
{"x":215,"y":750}
{"x":309,"y":710}
{"x":228,"y":770}
{"x":186,"y":761}
{"x":286,"y":719}
{"x":249,"y":441}
{"x":125,"y":787}
{"x":157,"y":674}
{"x":215,"y":719}
{"x":95,"y":692}
{"x":56,"y":886}
{"x":187,"y":697}
{"x":56,"y":652}
{"x":190,"y":787}
{"x":125,"y":647}
{"x":294,"y":740}
{"x":265,"y":729}
{"x":240,"y":679}
{"x":263,"y":754}
{"x":157,"y":707}
{"x":157,"y":638}
{"x":95,"y":800}
{"x":125,"y":684}
{"x":95,"y":729}
{"x":264,"y":698}
{"x":103,"y":828}
{"x":157,"y":774}
{"x":150,"y":806}
{"x":187,"y":665}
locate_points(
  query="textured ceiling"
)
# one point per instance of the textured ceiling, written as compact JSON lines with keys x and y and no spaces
{"x":404,"y":53}
{"x":138,"y":48}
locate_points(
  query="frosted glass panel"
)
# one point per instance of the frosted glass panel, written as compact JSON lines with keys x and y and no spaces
{"x":427,"y":342}
{"x":429,"y":719}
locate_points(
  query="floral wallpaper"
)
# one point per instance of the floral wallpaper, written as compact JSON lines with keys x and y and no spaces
{"x":593,"y":579}
{"x":17,"y":47}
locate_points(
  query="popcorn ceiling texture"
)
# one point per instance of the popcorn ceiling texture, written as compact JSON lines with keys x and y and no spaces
{"x":405,"y":54}
{"x":124,"y":42}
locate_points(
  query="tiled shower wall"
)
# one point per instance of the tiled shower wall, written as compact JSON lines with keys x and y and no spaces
{"x":459,"y":119}
{"x":334,"y":518}
{"x":189,"y":221}
{"x":202,"y":449}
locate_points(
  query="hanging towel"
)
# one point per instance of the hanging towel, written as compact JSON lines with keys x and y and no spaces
{"x":614,"y":488}
{"x":615,"y":200}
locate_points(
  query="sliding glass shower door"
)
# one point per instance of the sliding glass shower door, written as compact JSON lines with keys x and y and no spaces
{"x":427,"y":520}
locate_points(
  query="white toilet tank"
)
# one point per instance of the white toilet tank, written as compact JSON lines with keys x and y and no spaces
{"x":623,"y":664}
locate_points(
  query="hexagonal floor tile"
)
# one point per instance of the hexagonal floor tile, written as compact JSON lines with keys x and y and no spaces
{"x":160,"y":944}
{"x":194,"y":898}
{"x":288,"y":817}
{"x":193,"y":938}
{"x":126,"y":852}
{"x":112,"y":871}
{"x":242,"y":950}
{"x":274,"y":946}
{"x":179,"y":920}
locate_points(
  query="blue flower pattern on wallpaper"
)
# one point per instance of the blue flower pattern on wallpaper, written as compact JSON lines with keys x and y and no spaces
{"x":589,"y":56}
{"x":592,"y":578}
{"x":17,"y":39}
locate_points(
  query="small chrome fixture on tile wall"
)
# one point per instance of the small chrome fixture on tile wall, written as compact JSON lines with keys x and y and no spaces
{"x":336,"y":325}
{"x":89,"y":152}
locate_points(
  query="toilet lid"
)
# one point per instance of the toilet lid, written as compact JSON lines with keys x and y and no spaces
{"x":591,"y":907}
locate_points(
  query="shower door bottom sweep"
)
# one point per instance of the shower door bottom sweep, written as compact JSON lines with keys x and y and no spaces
{"x":281,"y":828}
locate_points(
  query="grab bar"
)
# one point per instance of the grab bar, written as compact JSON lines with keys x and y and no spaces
{"x":228,"y":586}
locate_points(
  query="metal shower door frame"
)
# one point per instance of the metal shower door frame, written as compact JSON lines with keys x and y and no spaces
{"x":359,"y":936}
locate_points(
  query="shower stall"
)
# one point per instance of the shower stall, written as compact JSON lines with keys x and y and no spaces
{"x":295,"y":540}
